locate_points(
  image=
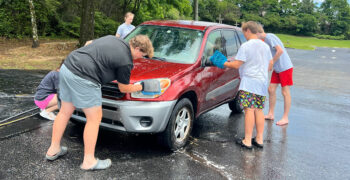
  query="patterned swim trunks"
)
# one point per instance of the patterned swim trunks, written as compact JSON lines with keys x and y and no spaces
{"x":251,"y":100}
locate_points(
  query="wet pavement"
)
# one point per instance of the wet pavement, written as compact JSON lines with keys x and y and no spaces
{"x":315,"y":144}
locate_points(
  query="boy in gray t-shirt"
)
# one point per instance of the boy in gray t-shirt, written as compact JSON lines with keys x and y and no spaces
{"x":252,"y":60}
{"x":282,"y":74}
{"x":81,"y":76}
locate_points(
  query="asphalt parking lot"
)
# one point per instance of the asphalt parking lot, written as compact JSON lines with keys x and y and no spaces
{"x":314,"y":145}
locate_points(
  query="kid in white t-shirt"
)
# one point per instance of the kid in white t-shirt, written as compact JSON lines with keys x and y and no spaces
{"x":252,"y":60}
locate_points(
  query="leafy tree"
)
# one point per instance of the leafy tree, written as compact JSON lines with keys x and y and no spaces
{"x":335,"y":17}
{"x":230,"y":12}
{"x":63,"y":17}
{"x":307,"y":24}
{"x":208,"y":10}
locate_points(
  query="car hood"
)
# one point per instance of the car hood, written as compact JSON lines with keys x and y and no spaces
{"x":149,"y":69}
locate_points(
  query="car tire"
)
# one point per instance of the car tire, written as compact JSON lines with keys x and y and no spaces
{"x":179,"y":126}
{"x":235,"y":106}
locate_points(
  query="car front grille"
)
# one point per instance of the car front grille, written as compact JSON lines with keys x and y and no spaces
{"x":104,"y":120}
{"x":112,"y":90}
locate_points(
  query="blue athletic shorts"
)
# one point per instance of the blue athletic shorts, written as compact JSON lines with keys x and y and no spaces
{"x":81,"y":92}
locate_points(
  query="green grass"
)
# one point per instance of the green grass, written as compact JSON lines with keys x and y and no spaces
{"x":309,"y":43}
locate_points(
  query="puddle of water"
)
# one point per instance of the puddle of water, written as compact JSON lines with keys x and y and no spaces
{"x":17,"y":88}
{"x":202,"y":159}
{"x":10,"y":106}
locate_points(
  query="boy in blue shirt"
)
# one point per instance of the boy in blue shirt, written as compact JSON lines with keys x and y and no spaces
{"x":126,"y":27}
{"x":282,"y":74}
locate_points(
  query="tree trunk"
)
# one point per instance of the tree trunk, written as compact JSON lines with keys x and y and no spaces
{"x":34,"y":27}
{"x":87,"y":22}
{"x":195,"y":4}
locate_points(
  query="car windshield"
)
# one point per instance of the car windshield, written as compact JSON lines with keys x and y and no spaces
{"x":171,"y":44}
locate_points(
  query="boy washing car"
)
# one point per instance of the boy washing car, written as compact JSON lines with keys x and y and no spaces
{"x":252,"y":60}
{"x":81,"y":76}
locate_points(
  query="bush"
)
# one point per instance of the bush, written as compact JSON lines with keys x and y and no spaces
{"x":347,"y":35}
{"x":104,"y":25}
{"x":322,"y":36}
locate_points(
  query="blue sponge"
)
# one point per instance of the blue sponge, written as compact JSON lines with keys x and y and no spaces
{"x":218,"y":59}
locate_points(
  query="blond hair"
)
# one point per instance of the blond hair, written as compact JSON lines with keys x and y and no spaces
{"x":128,"y":14}
{"x":252,"y":26}
{"x":144,"y":43}
{"x":260,"y":28}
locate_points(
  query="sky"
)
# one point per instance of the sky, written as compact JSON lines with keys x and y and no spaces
{"x":320,"y":1}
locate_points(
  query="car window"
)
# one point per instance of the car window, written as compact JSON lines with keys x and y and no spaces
{"x":214,"y":42}
{"x":172,"y":44}
{"x":231,"y":42}
{"x":241,"y":37}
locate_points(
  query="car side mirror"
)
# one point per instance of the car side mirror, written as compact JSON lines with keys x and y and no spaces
{"x":206,"y":61}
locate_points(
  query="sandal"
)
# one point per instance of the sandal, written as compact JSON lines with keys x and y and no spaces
{"x":257,"y":144}
{"x":62,"y":152}
{"x":240,"y":142}
{"x":100,"y":165}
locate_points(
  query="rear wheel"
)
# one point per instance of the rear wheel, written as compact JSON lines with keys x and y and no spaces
{"x":235,"y":106}
{"x":179,"y":126}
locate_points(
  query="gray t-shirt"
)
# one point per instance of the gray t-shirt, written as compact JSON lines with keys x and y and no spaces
{"x":105,"y":59}
{"x":47,"y":86}
{"x":125,"y":29}
{"x":256,"y":56}
{"x":284,"y":62}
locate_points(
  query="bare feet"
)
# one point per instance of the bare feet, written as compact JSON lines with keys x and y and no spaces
{"x":269,"y":117}
{"x":282,"y":122}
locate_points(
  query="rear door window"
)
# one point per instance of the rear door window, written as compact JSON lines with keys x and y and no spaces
{"x":241,"y":37}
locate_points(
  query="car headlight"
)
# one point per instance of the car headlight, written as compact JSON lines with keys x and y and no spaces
{"x":164,"y":84}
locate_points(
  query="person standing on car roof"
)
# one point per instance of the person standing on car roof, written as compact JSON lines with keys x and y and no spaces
{"x":126,"y":27}
{"x":81,"y":76}
{"x":252,"y":60}
{"x":282,"y":74}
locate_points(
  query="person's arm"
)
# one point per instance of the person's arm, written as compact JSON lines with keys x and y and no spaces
{"x":129,"y":88}
{"x":119,"y":31}
{"x":271,"y":65}
{"x":279,"y":52}
{"x":88,"y":42}
{"x":233,"y":64}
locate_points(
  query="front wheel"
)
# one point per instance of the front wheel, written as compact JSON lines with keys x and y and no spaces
{"x":179,"y":126}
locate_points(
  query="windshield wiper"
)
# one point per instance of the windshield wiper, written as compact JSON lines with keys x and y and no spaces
{"x":159,"y":58}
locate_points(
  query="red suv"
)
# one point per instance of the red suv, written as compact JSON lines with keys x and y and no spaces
{"x":190,"y":86}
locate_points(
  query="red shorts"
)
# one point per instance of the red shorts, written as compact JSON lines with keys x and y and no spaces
{"x":285,"y":78}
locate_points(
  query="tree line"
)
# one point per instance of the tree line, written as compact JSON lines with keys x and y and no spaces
{"x":62,"y":18}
